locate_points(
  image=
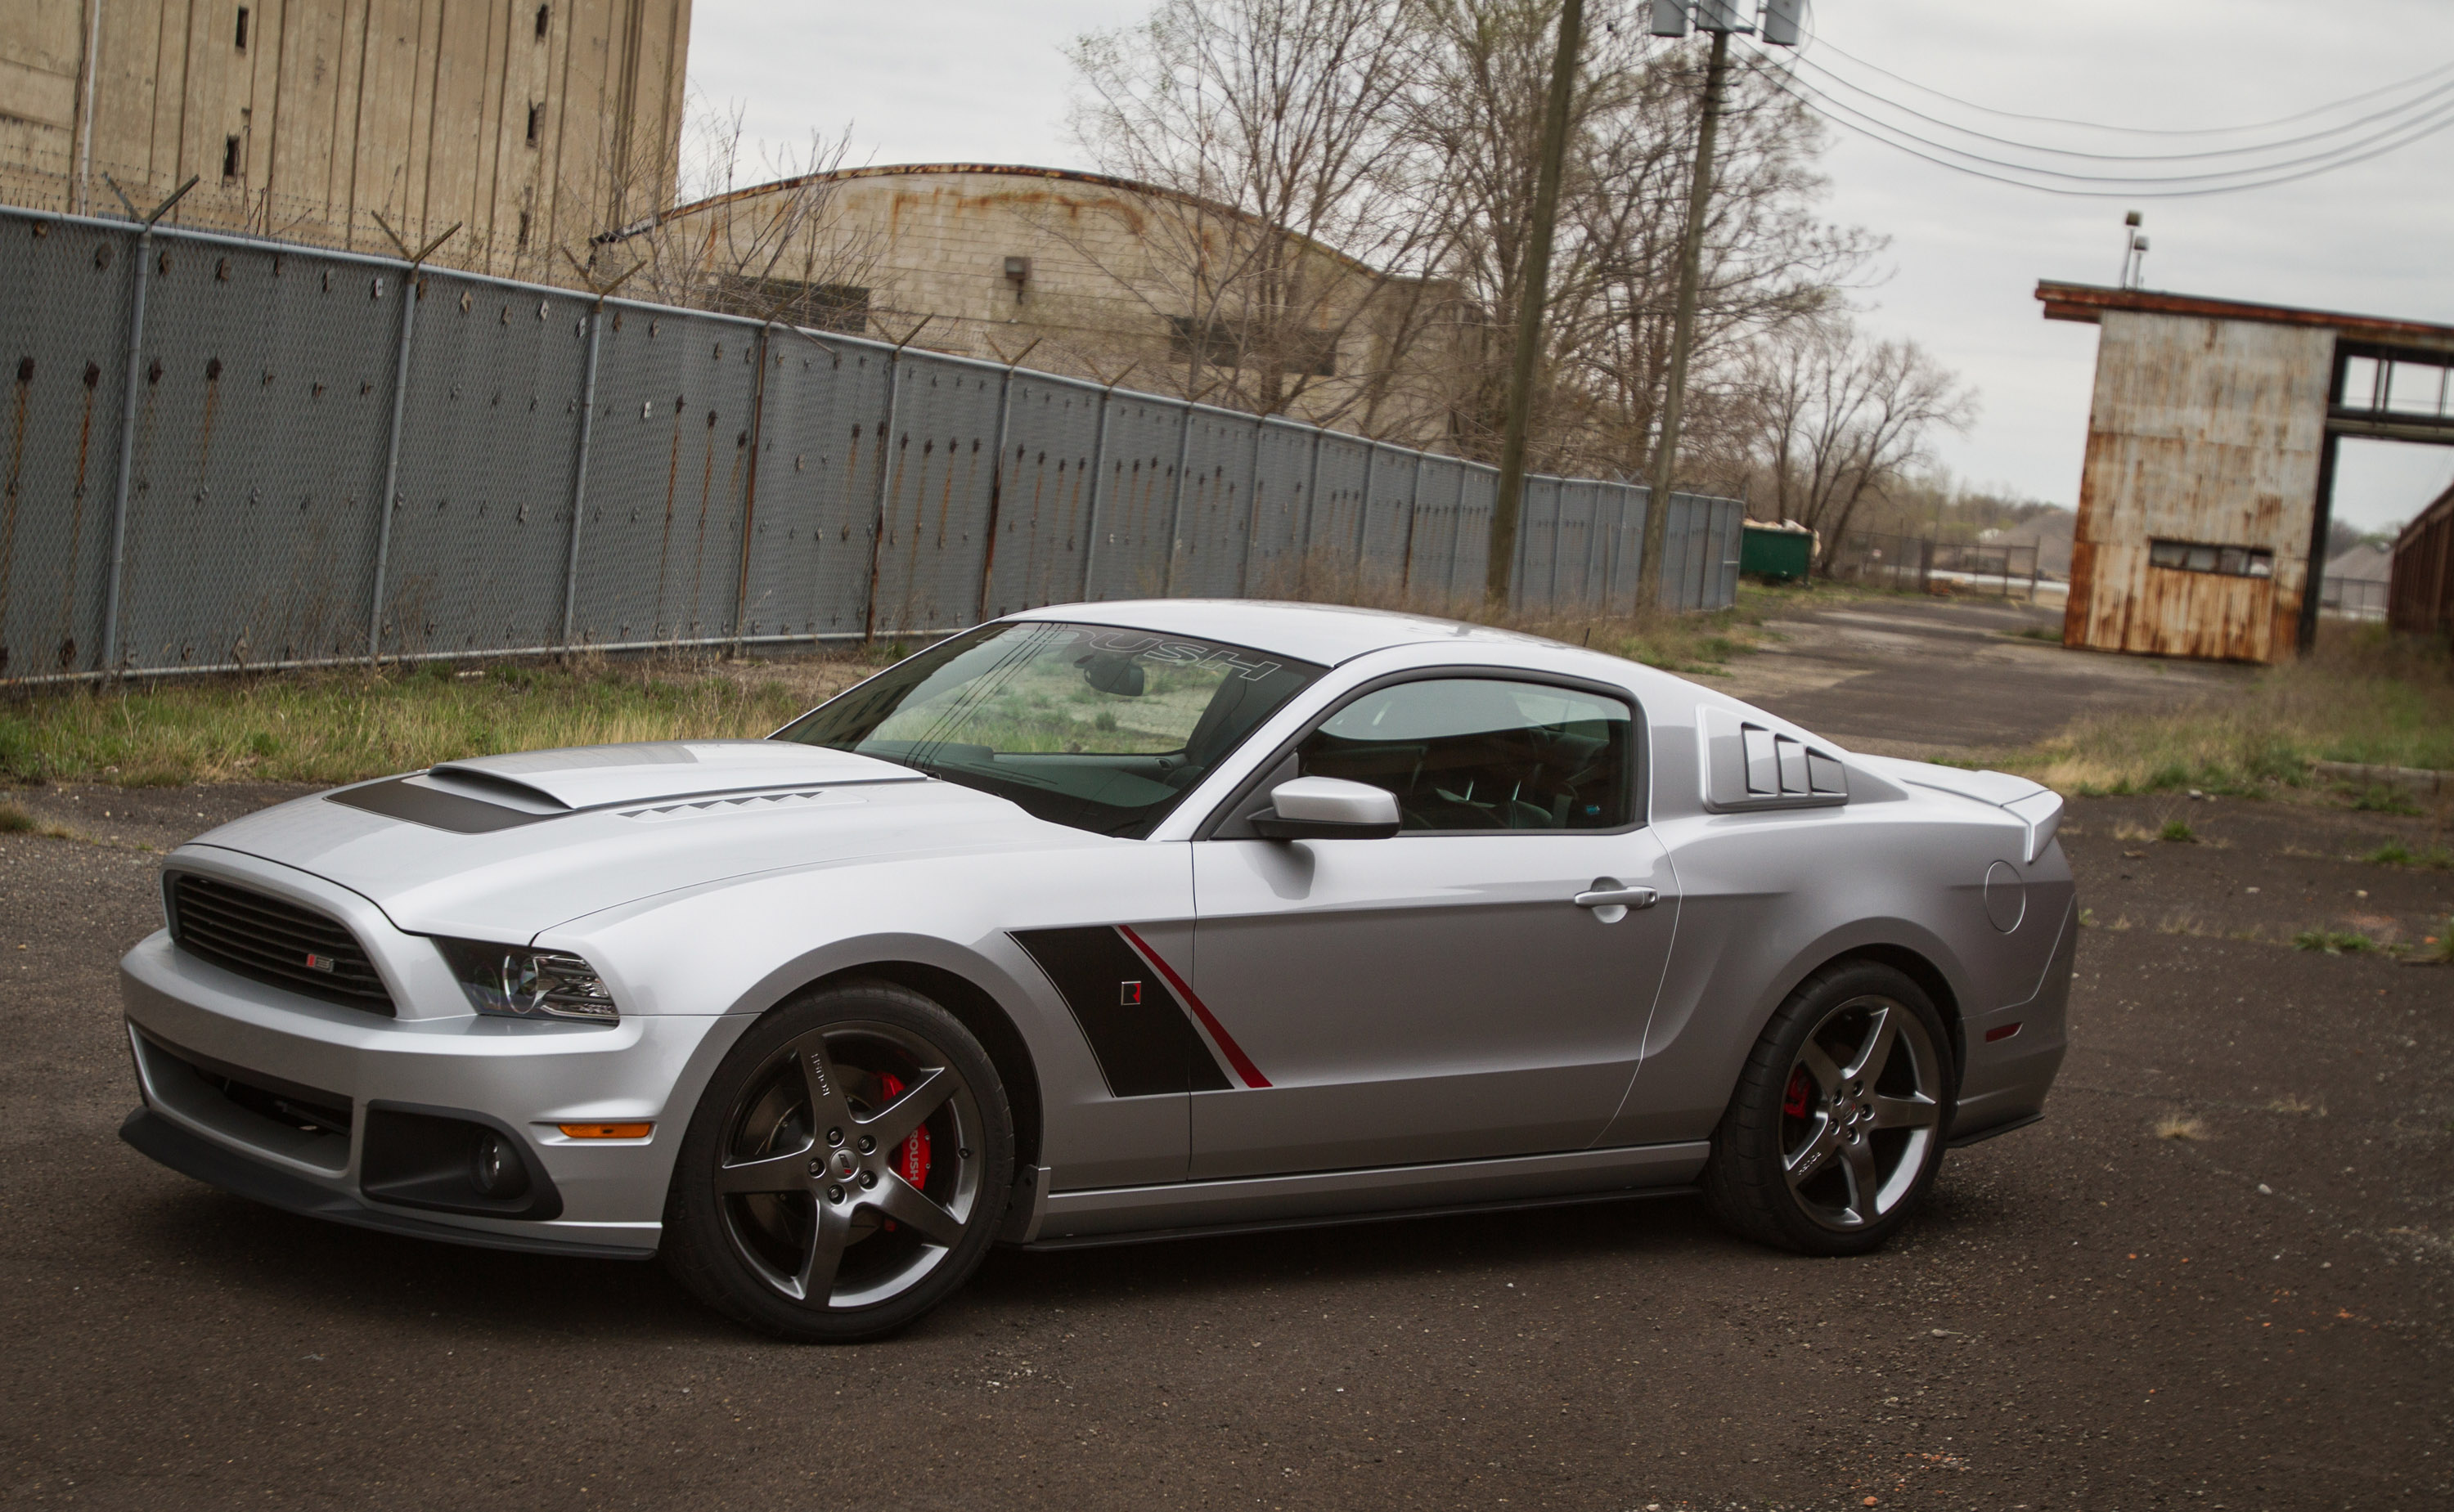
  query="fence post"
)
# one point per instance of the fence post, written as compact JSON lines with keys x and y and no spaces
{"x":391,"y":464}
{"x":996,"y":482}
{"x":1406,"y":569}
{"x":750,"y":491}
{"x":1175,"y":513}
{"x":885,"y":484}
{"x":127,"y":451}
{"x":127,"y":414}
{"x":579,"y":474}
{"x":1363,"y":512}
{"x":1311,"y":494}
{"x":1099,"y":480}
{"x":1252,"y":508}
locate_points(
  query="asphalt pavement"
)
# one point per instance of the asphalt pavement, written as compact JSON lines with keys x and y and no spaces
{"x":2248,"y":1310}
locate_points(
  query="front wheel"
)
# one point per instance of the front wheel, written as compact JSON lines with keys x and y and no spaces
{"x":846,"y":1168}
{"x":1836,"y":1129}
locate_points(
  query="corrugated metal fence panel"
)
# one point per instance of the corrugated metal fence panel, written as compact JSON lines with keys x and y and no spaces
{"x":1044,"y":494}
{"x":64,"y":340}
{"x":1281,"y":496}
{"x":1137,"y":498}
{"x":937,"y":514}
{"x":256,"y":531}
{"x":481,"y":511}
{"x":265,"y":402}
{"x":1217,"y":505}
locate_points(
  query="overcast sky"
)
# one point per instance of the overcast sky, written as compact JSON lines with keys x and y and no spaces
{"x":984,"y":81}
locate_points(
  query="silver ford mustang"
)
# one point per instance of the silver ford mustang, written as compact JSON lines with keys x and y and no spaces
{"x":1113,"y":922}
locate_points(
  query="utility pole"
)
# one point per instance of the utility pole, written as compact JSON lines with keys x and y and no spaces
{"x":1670,"y":19}
{"x":1532,"y":294}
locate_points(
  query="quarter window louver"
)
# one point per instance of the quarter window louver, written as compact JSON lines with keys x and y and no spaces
{"x":274,"y":940}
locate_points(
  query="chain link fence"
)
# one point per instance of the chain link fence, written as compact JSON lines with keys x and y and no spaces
{"x":1917,"y":564}
{"x":225,"y":454}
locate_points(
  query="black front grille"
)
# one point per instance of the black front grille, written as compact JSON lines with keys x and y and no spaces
{"x":274,"y":940}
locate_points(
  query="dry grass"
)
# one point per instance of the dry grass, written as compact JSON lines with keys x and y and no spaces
{"x":2180,"y":1126}
{"x":2360,"y":696}
{"x":2292,"y":1105}
{"x":343,"y":725}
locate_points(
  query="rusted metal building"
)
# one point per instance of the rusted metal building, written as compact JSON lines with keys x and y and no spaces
{"x":2419,"y":597}
{"x":2208,"y":486}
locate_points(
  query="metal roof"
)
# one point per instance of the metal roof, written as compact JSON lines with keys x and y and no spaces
{"x":2087,"y":302}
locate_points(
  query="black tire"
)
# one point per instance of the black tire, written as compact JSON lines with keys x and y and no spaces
{"x":806,"y":1202}
{"x":1836,"y":1129}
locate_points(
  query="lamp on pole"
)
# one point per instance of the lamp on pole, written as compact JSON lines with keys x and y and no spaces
{"x":1670,"y":19}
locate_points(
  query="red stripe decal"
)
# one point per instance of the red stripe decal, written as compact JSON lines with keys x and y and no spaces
{"x":1236,"y":1055}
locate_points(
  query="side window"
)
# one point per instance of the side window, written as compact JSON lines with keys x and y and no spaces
{"x":1465,"y":753}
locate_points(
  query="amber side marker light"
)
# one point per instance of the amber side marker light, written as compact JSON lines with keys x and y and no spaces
{"x":605,"y":1131}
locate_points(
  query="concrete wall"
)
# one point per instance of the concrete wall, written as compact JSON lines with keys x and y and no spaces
{"x":2208,"y":432}
{"x":329,"y":115}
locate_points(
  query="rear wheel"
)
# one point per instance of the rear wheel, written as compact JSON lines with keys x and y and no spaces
{"x":1836,"y":1129}
{"x":846,"y":1169}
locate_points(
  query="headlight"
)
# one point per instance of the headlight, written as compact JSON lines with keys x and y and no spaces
{"x":514,"y":983}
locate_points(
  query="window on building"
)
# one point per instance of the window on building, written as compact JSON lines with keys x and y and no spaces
{"x":2224,"y":561}
{"x":818,"y":307}
{"x":524,"y":230}
{"x":229,"y":158}
{"x":1303,"y":351}
{"x":242,"y":28}
{"x":534,"y":110}
{"x":545,"y":19}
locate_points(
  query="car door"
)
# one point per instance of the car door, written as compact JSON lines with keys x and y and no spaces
{"x":1441,"y":994}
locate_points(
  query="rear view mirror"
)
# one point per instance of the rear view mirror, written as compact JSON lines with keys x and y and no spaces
{"x":1111,"y":673}
{"x":1328,"y":808}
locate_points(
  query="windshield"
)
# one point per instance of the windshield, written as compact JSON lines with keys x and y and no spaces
{"x":1101,"y":729}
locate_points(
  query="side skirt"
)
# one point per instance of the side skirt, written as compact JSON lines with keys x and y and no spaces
{"x":1130,"y":1214}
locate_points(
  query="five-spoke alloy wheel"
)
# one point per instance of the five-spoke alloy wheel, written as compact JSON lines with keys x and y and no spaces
{"x":846,"y":1169}
{"x":1837,"y":1127}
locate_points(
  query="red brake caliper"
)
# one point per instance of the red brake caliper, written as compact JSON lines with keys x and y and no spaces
{"x":911,"y":1158}
{"x":1802,"y":1090}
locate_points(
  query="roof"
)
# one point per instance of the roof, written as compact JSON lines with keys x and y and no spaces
{"x":2369,"y":561}
{"x":1323,"y":633}
{"x":2087,"y":302}
{"x":1006,"y":170}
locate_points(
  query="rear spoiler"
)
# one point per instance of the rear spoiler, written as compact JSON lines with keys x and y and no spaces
{"x":2037,"y":808}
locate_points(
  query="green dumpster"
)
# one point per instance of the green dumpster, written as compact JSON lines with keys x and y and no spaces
{"x":1781,"y":552}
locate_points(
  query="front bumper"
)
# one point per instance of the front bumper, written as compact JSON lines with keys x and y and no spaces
{"x":521,"y":1078}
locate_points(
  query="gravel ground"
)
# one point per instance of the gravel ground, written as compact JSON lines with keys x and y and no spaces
{"x":2248,"y":1310}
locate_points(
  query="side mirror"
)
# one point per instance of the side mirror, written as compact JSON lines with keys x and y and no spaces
{"x":1327,"y":809}
{"x":1111,"y":673}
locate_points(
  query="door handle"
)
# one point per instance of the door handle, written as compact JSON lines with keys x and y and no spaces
{"x":1617,"y":898}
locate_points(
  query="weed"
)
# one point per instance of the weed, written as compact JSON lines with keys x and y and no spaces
{"x":2395,"y":853}
{"x":14,"y":821}
{"x":2183,"y":922}
{"x":2358,"y":697}
{"x":2088,"y":918}
{"x":2379,"y":799}
{"x":2436,"y":950}
{"x":2180,"y":1126}
{"x":2333,"y":941}
{"x":2290,"y":1103}
{"x":2126,"y":830}
{"x":2176,"y":832}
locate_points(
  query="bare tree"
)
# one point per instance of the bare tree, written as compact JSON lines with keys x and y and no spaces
{"x":765,"y":242}
{"x":1839,"y":418}
{"x":1277,"y":264}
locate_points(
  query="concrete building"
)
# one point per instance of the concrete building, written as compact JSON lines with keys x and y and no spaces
{"x":1092,"y":276}
{"x":2205,"y":496}
{"x":534,"y":123}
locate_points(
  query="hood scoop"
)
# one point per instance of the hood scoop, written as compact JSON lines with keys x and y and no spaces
{"x":487,"y":793}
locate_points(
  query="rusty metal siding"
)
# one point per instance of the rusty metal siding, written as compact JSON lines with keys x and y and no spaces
{"x":2420,"y":595}
{"x":2201,"y":430}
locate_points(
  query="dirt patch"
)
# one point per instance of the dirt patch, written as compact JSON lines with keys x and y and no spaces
{"x":2093,"y":1313}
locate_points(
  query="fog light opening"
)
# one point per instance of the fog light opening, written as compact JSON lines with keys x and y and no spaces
{"x":496,"y":1168}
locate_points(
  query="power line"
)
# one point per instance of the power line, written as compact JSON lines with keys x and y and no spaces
{"x":2141,"y":130}
{"x":2113,"y":187}
{"x":2409,"y":107}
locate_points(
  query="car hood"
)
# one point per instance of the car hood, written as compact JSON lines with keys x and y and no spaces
{"x":576,"y":831}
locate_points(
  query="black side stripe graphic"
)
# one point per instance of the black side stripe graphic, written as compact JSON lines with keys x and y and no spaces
{"x":1145,"y":1043}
